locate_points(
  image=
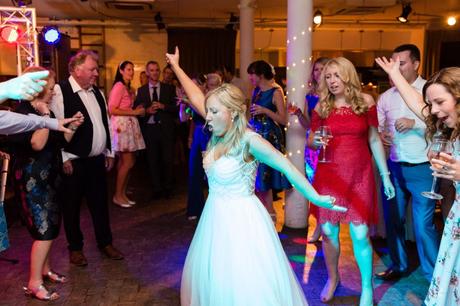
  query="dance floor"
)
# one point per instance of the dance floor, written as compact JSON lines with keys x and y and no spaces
{"x":155,"y":235}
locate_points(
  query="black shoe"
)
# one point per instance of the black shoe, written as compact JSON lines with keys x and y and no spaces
{"x":390,"y":275}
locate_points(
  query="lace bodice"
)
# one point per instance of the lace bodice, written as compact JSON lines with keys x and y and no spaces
{"x":231,"y":174}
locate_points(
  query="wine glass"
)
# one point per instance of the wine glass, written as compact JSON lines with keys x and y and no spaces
{"x":436,"y":147}
{"x":292,"y":107}
{"x":324,"y":132}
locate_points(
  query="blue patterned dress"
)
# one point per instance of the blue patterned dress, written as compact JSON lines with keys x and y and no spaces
{"x":445,"y":285}
{"x":268,"y":178}
{"x":4,"y":242}
{"x":311,"y":155}
{"x":36,"y":178}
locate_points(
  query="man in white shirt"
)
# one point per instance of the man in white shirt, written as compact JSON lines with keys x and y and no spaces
{"x":86,"y":158}
{"x":404,"y":133}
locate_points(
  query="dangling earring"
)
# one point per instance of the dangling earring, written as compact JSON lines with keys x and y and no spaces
{"x":233,"y":119}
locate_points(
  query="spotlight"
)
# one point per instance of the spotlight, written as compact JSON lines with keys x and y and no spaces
{"x":232,"y":22}
{"x":9,"y":34}
{"x":318,"y":18}
{"x":406,"y":10}
{"x":21,"y":3}
{"x":451,"y":21}
{"x":51,"y":35}
{"x":159,"y":21}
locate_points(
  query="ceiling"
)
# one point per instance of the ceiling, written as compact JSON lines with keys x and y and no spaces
{"x":267,"y":13}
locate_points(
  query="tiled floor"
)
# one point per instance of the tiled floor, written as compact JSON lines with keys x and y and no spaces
{"x":155,"y":235}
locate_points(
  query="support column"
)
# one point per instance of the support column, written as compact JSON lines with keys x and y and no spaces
{"x":246,"y":40}
{"x":299,"y":37}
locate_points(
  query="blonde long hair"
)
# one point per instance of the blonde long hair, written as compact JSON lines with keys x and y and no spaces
{"x":234,"y":100}
{"x":349,"y":77}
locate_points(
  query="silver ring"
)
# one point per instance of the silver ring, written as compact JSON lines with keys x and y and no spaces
{"x":445,"y":168}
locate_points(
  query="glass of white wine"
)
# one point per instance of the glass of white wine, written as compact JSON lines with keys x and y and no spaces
{"x":325,"y":135}
{"x":436,"y":147}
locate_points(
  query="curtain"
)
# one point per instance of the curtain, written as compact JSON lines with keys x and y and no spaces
{"x":433,"y":43}
{"x":202,"y":50}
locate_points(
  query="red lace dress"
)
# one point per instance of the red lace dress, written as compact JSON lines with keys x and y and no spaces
{"x":349,"y":175}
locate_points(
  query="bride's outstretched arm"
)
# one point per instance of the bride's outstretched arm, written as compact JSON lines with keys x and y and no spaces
{"x":192,"y":91}
{"x":264,"y":152}
{"x":412,"y":97}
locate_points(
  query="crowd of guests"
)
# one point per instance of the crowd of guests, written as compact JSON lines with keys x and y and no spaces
{"x":54,"y":171}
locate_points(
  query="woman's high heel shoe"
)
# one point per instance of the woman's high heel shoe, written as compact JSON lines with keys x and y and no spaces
{"x":120,"y":203}
{"x":54,"y":277}
{"x":329,"y":295}
{"x":41,"y":293}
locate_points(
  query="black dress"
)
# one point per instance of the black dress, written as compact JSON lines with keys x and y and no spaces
{"x":36,"y":178}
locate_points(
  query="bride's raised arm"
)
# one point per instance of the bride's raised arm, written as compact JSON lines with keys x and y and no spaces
{"x":410,"y":95}
{"x":192,"y":91}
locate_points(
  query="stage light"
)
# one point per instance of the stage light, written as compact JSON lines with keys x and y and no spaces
{"x":232,"y":22}
{"x":318,"y":18}
{"x":451,"y":21}
{"x":406,"y":10}
{"x":159,"y":21}
{"x":51,"y":35}
{"x":9,"y":34}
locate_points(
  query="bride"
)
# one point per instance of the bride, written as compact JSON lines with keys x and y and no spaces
{"x":236,"y":257}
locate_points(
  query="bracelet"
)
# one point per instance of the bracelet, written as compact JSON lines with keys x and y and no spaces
{"x":385,"y":173}
{"x":45,"y":114}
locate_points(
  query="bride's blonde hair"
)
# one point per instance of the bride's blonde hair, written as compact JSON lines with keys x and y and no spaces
{"x":234,"y":100}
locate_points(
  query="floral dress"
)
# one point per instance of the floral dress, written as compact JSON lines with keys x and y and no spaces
{"x":445,"y":285}
{"x":36,"y":179}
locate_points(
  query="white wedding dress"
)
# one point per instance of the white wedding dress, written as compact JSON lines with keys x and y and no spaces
{"x":236,"y":257}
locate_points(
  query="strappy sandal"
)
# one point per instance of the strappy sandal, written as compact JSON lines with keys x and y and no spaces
{"x":54,"y":277}
{"x":41,"y":293}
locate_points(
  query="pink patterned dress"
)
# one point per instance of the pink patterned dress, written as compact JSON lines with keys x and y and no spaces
{"x":127,"y":136}
{"x":349,"y":176}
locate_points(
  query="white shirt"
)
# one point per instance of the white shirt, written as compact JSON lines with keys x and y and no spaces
{"x":92,"y":107}
{"x":14,"y":123}
{"x":151,"y":119}
{"x":409,"y":146}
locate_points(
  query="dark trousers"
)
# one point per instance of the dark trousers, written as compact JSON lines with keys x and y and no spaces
{"x":160,"y":156}
{"x":88,"y":181}
{"x":196,"y":175}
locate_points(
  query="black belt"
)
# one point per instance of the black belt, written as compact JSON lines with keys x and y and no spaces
{"x":413,"y":165}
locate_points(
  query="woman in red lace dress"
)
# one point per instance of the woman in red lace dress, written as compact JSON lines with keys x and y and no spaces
{"x":352,"y":118}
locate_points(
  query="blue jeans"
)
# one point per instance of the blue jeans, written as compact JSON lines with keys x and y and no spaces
{"x":409,"y":181}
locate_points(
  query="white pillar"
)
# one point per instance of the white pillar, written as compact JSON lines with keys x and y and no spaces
{"x":246,"y":40}
{"x":299,"y":48}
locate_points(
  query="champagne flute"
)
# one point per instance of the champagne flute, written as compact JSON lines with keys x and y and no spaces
{"x":436,"y":147}
{"x":324,"y":132}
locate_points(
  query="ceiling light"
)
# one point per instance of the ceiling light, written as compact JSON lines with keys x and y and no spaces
{"x":232,"y":22}
{"x":318,"y":18}
{"x":406,"y":10}
{"x":159,"y":21}
{"x":451,"y":21}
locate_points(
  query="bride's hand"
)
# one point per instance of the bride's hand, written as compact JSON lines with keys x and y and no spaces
{"x":328,"y":202}
{"x":173,"y":59}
